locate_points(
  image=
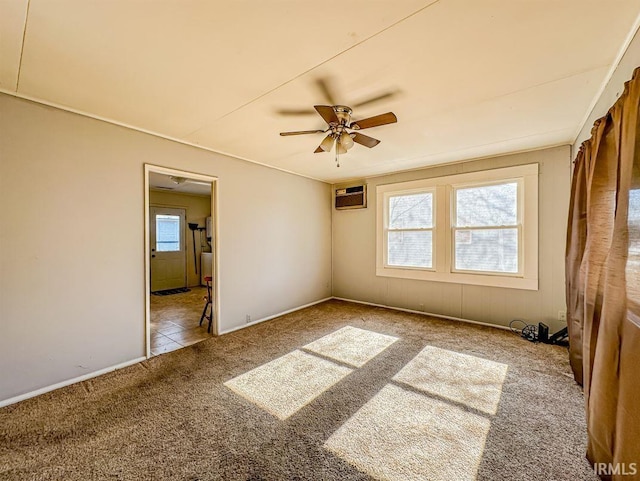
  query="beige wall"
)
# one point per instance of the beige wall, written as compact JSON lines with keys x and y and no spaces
{"x":72,"y":242}
{"x":198,"y":208}
{"x":615,"y":87}
{"x":354,"y":253}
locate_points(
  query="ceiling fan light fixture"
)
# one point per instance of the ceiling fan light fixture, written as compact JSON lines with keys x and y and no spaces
{"x":346,"y":141}
{"x":327,"y":143}
{"x":177,"y":180}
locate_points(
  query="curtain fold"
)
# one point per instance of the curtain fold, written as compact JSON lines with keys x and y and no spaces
{"x":603,"y":284}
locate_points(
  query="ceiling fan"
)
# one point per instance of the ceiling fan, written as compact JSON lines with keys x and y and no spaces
{"x":338,"y":117}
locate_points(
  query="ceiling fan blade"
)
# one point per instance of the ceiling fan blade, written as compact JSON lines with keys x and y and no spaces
{"x":327,"y":113}
{"x":318,"y":150}
{"x":382,"y":119}
{"x":295,"y":112}
{"x":302,"y":132}
{"x":324,"y":84}
{"x":365,"y":140}
{"x":377,"y":98}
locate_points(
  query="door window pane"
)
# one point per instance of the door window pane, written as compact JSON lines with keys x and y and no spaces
{"x":411,"y":211}
{"x":167,"y":233}
{"x":487,"y":250}
{"x":410,"y":248}
{"x":487,"y":205}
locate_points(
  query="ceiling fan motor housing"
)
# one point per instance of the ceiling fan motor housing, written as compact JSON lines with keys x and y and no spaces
{"x":344,"y":118}
{"x":343,"y":113}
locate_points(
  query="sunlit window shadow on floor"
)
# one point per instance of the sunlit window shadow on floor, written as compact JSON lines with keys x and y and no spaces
{"x":285,"y":385}
{"x":351,"y":345}
{"x":469,"y":380}
{"x":402,"y":435}
{"x":431,"y":422}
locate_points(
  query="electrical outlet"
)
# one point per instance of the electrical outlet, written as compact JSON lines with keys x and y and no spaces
{"x":422,"y":307}
{"x":562,"y":316}
{"x":248,"y":318}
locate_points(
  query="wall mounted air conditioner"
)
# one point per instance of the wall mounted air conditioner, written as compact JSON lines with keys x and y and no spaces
{"x":351,"y":197}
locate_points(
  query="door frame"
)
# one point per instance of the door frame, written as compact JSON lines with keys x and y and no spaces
{"x":214,"y":246}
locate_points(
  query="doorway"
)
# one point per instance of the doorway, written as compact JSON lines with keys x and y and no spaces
{"x":180,"y":259}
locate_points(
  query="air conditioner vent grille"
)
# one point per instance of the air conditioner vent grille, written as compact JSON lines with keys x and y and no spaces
{"x":351,"y":197}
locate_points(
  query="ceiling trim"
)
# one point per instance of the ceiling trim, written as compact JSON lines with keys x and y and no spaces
{"x":614,"y":66}
{"x":24,"y":36}
{"x":150,"y":132}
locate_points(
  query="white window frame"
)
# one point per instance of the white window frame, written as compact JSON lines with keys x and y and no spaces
{"x":444,"y":225}
{"x":433,"y":227}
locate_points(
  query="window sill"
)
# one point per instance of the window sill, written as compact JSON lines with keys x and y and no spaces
{"x":492,"y":280}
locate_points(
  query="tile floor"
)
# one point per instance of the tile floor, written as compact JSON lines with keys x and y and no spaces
{"x":174,"y":320}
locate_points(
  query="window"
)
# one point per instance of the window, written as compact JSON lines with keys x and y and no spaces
{"x":409,"y":229}
{"x":486,"y":228}
{"x":167,"y":233}
{"x":475,"y":228}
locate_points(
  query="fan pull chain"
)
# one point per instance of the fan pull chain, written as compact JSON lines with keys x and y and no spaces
{"x":337,"y":156}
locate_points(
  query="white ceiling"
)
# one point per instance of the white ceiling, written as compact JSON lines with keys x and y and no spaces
{"x":476,"y":77}
{"x":185,"y":185}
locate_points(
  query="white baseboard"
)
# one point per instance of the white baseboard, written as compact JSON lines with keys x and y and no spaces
{"x":233,"y":329}
{"x":459,"y":319}
{"x":68,"y":382}
{"x":84,"y":377}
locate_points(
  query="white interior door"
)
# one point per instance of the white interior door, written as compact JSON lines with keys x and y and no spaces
{"x":167,"y":248}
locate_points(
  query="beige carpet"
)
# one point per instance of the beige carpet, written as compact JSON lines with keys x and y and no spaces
{"x":337,"y":391}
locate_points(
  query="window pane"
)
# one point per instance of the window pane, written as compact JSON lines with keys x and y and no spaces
{"x":488,"y":205}
{"x":411,"y":211}
{"x":487,"y":250}
{"x":167,"y":233}
{"x":410,"y":248}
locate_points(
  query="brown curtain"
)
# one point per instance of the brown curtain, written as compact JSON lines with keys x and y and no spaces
{"x":603,"y":283}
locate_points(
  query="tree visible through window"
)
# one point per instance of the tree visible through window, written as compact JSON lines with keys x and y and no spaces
{"x":486,"y":229}
{"x":410,"y":230}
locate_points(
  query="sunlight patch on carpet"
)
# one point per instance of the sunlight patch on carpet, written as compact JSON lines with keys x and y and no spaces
{"x":351,"y":345}
{"x":469,"y":380}
{"x":285,"y":385}
{"x":400,"y":435}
